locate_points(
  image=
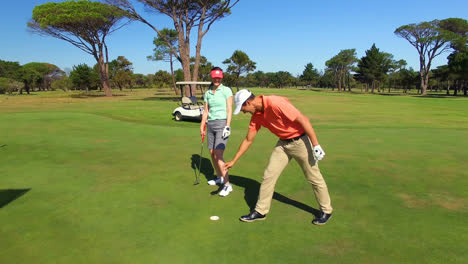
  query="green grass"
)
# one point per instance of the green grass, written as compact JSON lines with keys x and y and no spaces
{"x":109,"y":180}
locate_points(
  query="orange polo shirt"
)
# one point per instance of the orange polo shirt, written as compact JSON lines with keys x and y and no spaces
{"x":278,"y":116}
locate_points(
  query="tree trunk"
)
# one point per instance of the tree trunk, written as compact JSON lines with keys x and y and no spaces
{"x":187,"y":75}
{"x":103,"y":72}
{"x":349,"y":85}
{"x":184,"y":51}
{"x":107,"y":61}
{"x":198,"y":51}
{"x":424,"y":80}
{"x":173,"y":77}
{"x":448,"y":87}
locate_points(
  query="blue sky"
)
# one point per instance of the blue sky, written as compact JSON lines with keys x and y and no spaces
{"x":277,"y":36}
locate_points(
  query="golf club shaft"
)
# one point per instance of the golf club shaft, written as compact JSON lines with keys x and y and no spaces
{"x":201,"y":152}
{"x":201,"y":156}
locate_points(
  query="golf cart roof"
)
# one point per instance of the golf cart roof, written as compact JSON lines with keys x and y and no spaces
{"x":200,"y":83}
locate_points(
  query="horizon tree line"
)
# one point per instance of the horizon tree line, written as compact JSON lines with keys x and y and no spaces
{"x":84,"y":77}
{"x":86,"y":24}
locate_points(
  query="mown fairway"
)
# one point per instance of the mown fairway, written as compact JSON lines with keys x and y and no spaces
{"x":109,"y":180}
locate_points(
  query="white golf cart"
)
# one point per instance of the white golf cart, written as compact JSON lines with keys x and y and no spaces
{"x":190,"y":108}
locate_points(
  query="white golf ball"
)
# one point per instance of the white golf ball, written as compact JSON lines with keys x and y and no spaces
{"x":214,"y":217}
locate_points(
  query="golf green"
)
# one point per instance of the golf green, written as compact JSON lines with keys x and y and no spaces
{"x":89,"y":179}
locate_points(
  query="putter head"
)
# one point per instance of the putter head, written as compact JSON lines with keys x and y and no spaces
{"x":196,"y":182}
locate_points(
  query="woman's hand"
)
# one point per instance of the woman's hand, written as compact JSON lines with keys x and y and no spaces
{"x":226,"y":132}
{"x":202,"y":131}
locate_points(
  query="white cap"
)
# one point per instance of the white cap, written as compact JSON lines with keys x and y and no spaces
{"x":240,"y":98}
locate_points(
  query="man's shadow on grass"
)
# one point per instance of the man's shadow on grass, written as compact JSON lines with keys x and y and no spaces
{"x":9,"y":195}
{"x":251,"y":187}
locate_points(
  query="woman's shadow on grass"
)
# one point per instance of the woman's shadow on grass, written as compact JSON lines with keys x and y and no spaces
{"x":251,"y":187}
{"x":206,"y":168}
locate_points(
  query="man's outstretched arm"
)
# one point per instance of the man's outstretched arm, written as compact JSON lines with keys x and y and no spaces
{"x":244,"y":146}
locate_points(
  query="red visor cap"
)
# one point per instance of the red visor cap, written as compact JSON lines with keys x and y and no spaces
{"x":216,"y":74}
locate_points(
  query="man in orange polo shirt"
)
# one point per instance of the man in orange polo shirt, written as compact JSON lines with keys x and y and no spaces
{"x":294,"y":131}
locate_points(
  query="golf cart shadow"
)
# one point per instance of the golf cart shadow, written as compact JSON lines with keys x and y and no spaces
{"x":252,"y":188}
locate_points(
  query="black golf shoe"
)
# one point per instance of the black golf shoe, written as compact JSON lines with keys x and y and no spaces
{"x":323,"y":219}
{"x":253,"y":216}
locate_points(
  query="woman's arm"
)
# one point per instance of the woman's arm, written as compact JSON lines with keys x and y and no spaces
{"x":204,"y":118}
{"x":229,"y":111}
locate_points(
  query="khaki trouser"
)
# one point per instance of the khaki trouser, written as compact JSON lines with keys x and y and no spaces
{"x":301,"y":151}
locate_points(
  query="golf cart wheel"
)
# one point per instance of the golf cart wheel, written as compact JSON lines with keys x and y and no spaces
{"x":178,"y":116}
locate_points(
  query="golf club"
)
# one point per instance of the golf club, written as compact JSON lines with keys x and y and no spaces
{"x":197,"y":181}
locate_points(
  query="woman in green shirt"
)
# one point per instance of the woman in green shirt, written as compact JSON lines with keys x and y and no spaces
{"x":218,"y":112}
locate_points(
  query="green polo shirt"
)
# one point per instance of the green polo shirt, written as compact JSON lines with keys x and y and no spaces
{"x":217,"y":102}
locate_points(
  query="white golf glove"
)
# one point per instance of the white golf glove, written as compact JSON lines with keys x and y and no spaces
{"x":226,"y":132}
{"x":318,"y":152}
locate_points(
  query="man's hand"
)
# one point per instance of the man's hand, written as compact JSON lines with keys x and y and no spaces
{"x":226,"y":132}
{"x":318,"y":152}
{"x":228,"y":165}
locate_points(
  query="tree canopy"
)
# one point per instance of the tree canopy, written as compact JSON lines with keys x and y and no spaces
{"x":373,"y":67}
{"x":84,"y":24}
{"x":83,"y":77}
{"x":39,"y":75}
{"x":121,"y":72}
{"x":341,"y":64}
{"x":239,"y":63}
{"x":310,"y":75}
{"x":10,"y":69}
{"x":163,"y":44}
{"x":186,"y":15}
{"x":164,"y":50}
{"x":430,"y":40}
